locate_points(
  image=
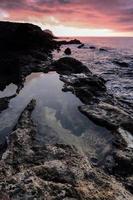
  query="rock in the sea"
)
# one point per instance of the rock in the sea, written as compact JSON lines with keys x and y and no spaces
{"x":64,"y":42}
{"x":67,"y":51}
{"x":68,"y":65}
{"x":80,"y":46}
{"x":92,"y":47}
{"x":121,"y":63}
{"x":103,"y":49}
{"x":29,"y":170}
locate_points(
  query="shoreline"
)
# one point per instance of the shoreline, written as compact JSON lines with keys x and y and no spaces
{"x":99,"y":106}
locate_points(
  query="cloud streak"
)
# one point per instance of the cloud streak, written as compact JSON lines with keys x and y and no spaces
{"x":116,"y":15}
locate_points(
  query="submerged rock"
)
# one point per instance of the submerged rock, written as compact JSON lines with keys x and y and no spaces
{"x":32,"y":171}
{"x":67,"y":51}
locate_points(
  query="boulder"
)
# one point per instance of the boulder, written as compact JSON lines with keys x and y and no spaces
{"x":68,"y":65}
{"x":67,"y":51}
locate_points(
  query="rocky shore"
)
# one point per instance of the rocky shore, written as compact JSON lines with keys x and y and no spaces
{"x":30,"y":171}
{"x":59,"y":171}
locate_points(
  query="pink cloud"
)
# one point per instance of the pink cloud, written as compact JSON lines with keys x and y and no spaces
{"x":107,"y":14}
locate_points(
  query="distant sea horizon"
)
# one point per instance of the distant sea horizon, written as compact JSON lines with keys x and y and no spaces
{"x":106,"y":41}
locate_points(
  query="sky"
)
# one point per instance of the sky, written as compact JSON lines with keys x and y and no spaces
{"x":73,"y":17}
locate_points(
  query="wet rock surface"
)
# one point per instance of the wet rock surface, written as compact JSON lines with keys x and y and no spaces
{"x":30,"y":171}
{"x":108,"y":115}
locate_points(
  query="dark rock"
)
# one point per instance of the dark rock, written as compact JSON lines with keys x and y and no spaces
{"x":64,"y":42}
{"x":75,"y":41}
{"x":85,"y":86}
{"x":121,"y":63}
{"x":4,"y":102}
{"x":22,"y":44}
{"x":123,"y":163}
{"x":19,"y":36}
{"x":103,"y":49}
{"x":49,"y":33}
{"x":68,"y":65}
{"x":80,"y":46}
{"x":129,"y":184}
{"x":67,"y":51}
{"x":92,"y":47}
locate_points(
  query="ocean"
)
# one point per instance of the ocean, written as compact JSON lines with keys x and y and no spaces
{"x":107,"y":63}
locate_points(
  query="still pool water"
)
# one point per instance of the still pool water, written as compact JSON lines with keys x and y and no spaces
{"x":56,"y":115}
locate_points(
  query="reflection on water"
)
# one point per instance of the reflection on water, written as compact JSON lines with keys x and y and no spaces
{"x":56,"y":115}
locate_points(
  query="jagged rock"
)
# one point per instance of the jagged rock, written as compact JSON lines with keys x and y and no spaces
{"x":32,"y":171}
{"x":86,"y":87}
{"x":67,"y":51}
{"x":107,"y":115}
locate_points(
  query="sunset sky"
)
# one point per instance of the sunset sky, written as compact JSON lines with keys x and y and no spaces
{"x":73,"y":17}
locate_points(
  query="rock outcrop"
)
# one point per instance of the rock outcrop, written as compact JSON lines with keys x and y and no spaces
{"x":22,"y":45}
{"x":31,"y":171}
